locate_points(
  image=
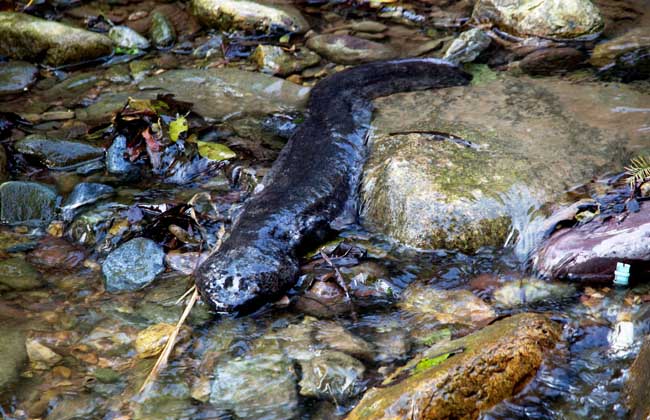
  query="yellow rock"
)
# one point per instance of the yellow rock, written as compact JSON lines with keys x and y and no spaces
{"x":151,"y":341}
{"x":39,"y":355}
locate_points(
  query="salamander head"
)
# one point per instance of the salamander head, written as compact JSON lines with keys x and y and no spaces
{"x":241,"y":280}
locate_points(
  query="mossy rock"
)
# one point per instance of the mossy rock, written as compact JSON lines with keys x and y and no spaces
{"x":26,"y":37}
{"x":462,"y":378}
{"x":460,"y":167}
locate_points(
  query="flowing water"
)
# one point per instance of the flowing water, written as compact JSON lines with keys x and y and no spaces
{"x":238,"y":368}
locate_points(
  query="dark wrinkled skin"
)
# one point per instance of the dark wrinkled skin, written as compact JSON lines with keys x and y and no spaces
{"x":312,"y":183}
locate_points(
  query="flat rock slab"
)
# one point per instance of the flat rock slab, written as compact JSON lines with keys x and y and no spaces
{"x":26,"y":37}
{"x":224,"y":93}
{"x":16,"y":77}
{"x":458,"y":167}
{"x":57,"y":154}
{"x":480,"y":370}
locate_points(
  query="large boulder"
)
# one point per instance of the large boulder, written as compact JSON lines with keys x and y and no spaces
{"x":557,"y":19}
{"x":223,"y":93}
{"x":458,"y":167}
{"x":249,"y":15}
{"x":462,"y":378}
{"x":26,"y":37}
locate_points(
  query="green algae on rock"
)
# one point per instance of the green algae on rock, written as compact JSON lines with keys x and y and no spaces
{"x":542,"y":18}
{"x":26,"y":37}
{"x":444,"y":173}
{"x":479,"y":371}
{"x":249,"y":15}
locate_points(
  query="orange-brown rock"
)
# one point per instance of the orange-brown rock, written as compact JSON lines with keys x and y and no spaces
{"x":479,"y":371}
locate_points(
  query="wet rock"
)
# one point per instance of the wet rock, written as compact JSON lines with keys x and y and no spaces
{"x":468,"y":46}
{"x":461,"y":177}
{"x":542,"y":18}
{"x":41,"y":356}
{"x":26,"y":37}
{"x":116,"y":158}
{"x":638,"y":381}
{"x":27,"y":202}
{"x":324,"y":299}
{"x":347,"y":49}
{"x":93,"y":226}
{"x":18,"y":274}
{"x":590,"y":251}
{"x":272,"y":59}
{"x":57,"y":154}
{"x":530,"y":291}
{"x":16,"y":77}
{"x":133,"y":265}
{"x":446,"y":306}
{"x":549,"y":61}
{"x":336,"y":337}
{"x":162,"y":31}
{"x":238,"y":382}
{"x":222,"y":93}
{"x":14,"y":353}
{"x":608,"y":51}
{"x":211,"y":48}
{"x":333,"y":375}
{"x":56,"y":254}
{"x":493,"y":364}
{"x":249,"y":16}
{"x":185,"y":262}
{"x":83,"y":194}
{"x":125,"y":37}
{"x":151,"y":341}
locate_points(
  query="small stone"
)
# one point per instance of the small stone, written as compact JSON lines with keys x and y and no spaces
{"x":58,"y":154}
{"x":18,"y":274}
{"x":116,"y":162}
{"x":347,"y":49}
{"x":162,"y":31}
{"x":151,"y":341}
{"x":645,"y":189}
{"x":62,"y":372}
{"x":608,"y":51}
{"x":56,"y":254}
{"x":16,"y":77}
{"x":336,"y":337}
{"x":83,"y":194}
{"x":107,"y":376}
{"x":125,"y":37}
{"x":275,"y":60}
{"x":468,"y":46}
{"x":27,"y":202}
{"x":133,"y":265}
{"x":40,"y":355}
{"x":550,"y":61}
{"x":531,"y":291}
{"x":56,"y":228}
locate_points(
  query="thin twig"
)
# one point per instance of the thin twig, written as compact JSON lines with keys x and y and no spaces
{"x":341,"y":282}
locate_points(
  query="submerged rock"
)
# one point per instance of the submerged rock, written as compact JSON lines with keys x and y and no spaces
{"x":14,"y":353}
{"x":133,"y":265}
{"x":275,"y":60}
{"x":333,"y":375}
{"x":125,"y":37}
{"x":542,"y":18}
{"x":638,"y":383}
{"x":462,"y":378}
{"x":531,"y":291}
{"x":348,"y":49}
{"x":464,"y":174}
{"x":26,"y":37}
{"x":249,"y":16}
{"x":57,"y":154}
{"x":590,"y":251}
{"x":467,"y":47}
{"x":446,"y":306}
{"x":225,"y":93}
{"x":256,"y":387}
{"x":18,"y":274}
{"x":16,"y":77}
{"x":27,"y":202}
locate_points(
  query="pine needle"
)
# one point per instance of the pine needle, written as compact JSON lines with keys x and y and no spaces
{"x":161,"y":363}
{"x":638,"y":171}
